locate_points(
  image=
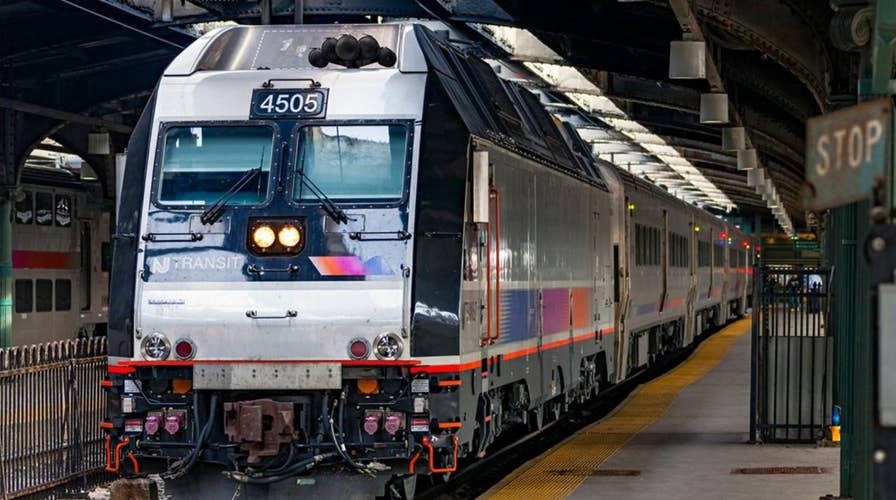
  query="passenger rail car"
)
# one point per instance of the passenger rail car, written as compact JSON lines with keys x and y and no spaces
{"x":355,"y":249}
{"x":60,"y":257}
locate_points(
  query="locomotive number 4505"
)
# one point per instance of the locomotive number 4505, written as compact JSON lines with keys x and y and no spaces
{"x":288,"y":103}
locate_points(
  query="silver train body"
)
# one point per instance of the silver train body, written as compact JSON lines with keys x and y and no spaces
{"x":466,"y":267}
{"x":60,"y":258}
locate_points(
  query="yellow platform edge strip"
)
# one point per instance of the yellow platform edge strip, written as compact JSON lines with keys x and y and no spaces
{"x":557,"y":473}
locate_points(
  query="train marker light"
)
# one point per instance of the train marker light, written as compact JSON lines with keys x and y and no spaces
{"x":184,"y":349}
{"x":387,"y":346}
{"x":263,"y":236}
{"x":696,"y":229}
{"x":358,"y":348}
{"x":289,"y":236}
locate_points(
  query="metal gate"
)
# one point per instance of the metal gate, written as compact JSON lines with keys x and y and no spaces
{"x":792,"y":365}
{"x":51,"y":404}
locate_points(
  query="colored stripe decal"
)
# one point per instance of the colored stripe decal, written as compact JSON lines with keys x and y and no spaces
{"x":590,"y":447}
{"x":646,"y":308}
{"x":510,"y":355}
{"x":349,"y":265}
{"x":581,"y":308}
{"x":26,"y":259}
{"x":674,"y":303}
{"x":555,"y":310}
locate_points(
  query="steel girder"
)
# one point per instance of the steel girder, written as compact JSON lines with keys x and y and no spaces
{"x":92,"y":66}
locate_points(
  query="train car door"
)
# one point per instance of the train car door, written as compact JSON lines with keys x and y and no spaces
{"x":689,"y":320}
{"x":86,"y":247}
{"x":664,"y":256}
{"x":623,"y":274}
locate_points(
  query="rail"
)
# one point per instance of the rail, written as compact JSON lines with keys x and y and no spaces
{"x":50,"y":406}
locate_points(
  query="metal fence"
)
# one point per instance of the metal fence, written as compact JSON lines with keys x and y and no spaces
{"x":792,"y":369}
{"x":51,"y":404}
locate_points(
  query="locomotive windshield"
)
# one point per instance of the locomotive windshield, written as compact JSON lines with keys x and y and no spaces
{"x":352,"y":162}
{"x":201,"y":163}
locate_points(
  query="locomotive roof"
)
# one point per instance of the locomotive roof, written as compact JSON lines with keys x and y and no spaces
{"x":502,"y":111}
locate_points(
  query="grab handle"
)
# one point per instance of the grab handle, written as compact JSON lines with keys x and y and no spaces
{"x":253,"y":314}
{"x":258,"y":270}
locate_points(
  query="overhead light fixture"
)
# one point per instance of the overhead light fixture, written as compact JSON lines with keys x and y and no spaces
{"x":687,"y":59}
{"x":713,"y":108}
{"x":734,"y":138}
{"x":755,"y":177}
{"x":747,"y":159}
{"x":98,"y":143}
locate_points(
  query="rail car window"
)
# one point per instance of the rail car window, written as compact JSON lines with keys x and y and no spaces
{"x":63,"y":210}
{"x":352,"y":162}
{"x":24,"y":296}
{"x":201,"y":163}
{"x":63,"y":295}
{"x":25,"y":208}
{"x":647,"y":246}
{"x":703,"y":253}
{"x":43,"y":295}
{"x":718,"y":255}
{"x":43,"y":208}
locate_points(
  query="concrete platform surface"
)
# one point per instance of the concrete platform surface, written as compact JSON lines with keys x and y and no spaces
{"x":693,"y":449}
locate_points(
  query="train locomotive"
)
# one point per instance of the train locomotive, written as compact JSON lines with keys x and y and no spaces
{"x":350,"y":254}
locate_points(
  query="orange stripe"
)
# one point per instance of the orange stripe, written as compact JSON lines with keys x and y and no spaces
{"x":449,"y":383}
{"x":106,"y":425}
{"x":520,"y":353}
{"x":105,"y":383}
{"x":449,"y":425}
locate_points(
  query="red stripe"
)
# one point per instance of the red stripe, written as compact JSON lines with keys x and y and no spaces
{"x":121,"y":370}
{"x":26,"y":259}
{"x":362,"y":362}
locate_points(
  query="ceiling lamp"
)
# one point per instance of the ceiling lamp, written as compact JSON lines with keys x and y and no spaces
{"x":713,"y":108}
{"x":734,"y":138}
{"x":747,"y":159}
{"x":687,"y":59}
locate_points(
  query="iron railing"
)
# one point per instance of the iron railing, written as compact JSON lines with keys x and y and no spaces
{"x":792,"y":369}
{"x":51,"y":404}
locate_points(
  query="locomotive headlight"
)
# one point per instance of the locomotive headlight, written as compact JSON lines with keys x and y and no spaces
{"x":263,"y":236}
{"x":155,"y":347}
{"x":289,"y":236}
{"x":387,"y":346}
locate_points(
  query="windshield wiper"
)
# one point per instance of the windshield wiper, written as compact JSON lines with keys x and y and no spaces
{"x":335,"y":213}
{"x":214,"y":211}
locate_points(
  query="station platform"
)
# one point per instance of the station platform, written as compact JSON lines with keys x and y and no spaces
{"x":683,"y":435}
